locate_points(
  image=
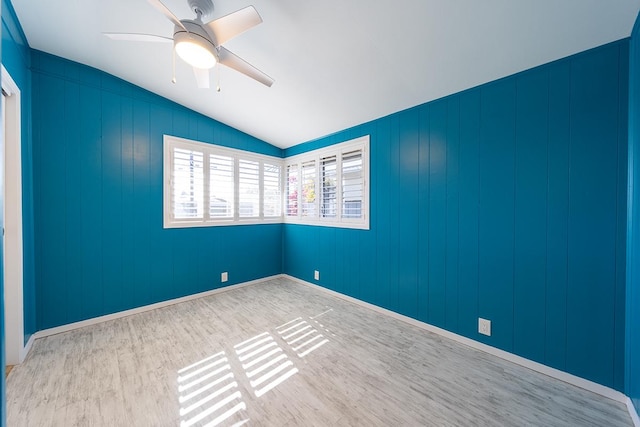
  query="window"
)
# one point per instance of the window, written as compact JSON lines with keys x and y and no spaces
{"x":352,"y":184}
{"x":272,"y":194}
{"x":292,"y":190}
{"x":221,"y":187}
{"x":188,"y":180}
{"x":329,"y":196}
{"x":309,"y":189}
{"x":240,"y":187}
{"x":330,"y":186}
{"x":249,"y":183}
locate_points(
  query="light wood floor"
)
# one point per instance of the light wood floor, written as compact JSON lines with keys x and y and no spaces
{"x":7,"y":369}
{"x":282,"y":354}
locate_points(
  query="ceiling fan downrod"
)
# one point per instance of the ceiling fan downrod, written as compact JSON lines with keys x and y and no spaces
{"x":202,"y":8}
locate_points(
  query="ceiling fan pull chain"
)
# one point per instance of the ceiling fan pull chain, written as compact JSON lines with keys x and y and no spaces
{"x":218,"y":78}
{"x":173,"y":65}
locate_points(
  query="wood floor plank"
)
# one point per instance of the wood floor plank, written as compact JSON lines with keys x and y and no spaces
{"x":282,"y":354}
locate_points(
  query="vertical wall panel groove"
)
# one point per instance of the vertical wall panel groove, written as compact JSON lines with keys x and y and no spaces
{"x":437,"y":213}
{"x":423,"y":215}
{"x":452,"y":209}
{"x":621,"y":215}
{"x":547,"y":226}
{"x":515,"y":218}
{"x":594,"y":103}
{"x":409,"y":132}
{"x":469,"y":205}
{"x":530,"y":215}
{"x":632,"y":319}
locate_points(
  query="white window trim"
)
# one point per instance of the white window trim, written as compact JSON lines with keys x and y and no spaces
{"x":317,"y":155}
{"x":338,"y":150}
{"x":170,"y":142}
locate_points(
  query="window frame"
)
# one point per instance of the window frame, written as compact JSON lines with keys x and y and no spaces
{"x":171,"y":142}
{"x":317,"y":156}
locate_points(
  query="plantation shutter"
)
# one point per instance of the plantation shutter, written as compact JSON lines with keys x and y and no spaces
{"x":352,"y":184}
{"x":248,"y":188}
{"x":187,"y":181}
{"x":309,"y":188}
{"x":292,"y":190}
{"x":221,"y":187}
{"x":272,"y":202}
{"x":328,"y":203}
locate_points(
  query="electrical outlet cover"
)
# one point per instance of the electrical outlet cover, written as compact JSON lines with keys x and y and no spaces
{"x":484,"y":326}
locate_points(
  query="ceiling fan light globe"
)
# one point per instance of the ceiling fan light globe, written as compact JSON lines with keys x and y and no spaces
{"x":195,"y":51}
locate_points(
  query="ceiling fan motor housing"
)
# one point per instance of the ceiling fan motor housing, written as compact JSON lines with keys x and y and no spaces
{"x":195,"y":34}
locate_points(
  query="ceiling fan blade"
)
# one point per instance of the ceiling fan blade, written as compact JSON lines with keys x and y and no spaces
{"x":225,"y":28}
{"x":232,"y":61}
{"x":137,"y":37}
{"x":202,"y":77}
{"x":166,"y":12}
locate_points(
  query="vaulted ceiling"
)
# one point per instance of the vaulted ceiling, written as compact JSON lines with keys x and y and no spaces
{"x":335,"y":63}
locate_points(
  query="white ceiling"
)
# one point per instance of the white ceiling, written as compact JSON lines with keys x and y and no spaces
{"x":336,"y":63}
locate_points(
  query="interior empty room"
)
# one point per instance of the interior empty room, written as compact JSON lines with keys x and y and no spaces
{"x":321,"y":214}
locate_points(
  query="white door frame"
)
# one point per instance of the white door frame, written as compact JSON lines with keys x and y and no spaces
{"x":13,"y":255}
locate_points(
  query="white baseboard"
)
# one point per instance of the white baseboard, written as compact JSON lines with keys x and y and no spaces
{"x":633,"y":413}
{"x":71,"y":326}
{"x":535,"y":366}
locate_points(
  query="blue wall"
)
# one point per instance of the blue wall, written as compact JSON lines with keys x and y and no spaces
{"x":100,"y":245}
{"x":3,"y":405}
{"x":632,"y":378}
{"x":506,"y":201}
{"x":16,"y":58}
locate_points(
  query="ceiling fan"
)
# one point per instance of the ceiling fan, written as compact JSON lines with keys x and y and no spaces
{"x":200,"y":44}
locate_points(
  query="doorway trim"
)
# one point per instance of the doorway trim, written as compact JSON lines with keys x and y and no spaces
{"x":13,"y":254}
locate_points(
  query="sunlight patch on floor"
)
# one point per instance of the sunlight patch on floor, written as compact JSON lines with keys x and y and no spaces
{"x":208,"y":392}
{"x":259,"y":354}
{"x":302,"y":336}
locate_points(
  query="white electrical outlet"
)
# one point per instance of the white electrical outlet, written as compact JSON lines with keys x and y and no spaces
{"x":224,"y":277}
{"x":484,"y":326}
{"x":316,"y":275}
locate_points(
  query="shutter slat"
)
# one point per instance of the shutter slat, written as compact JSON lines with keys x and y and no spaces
{"x":309,"y":189}
{"x":221,"y":187}
{"x":352,"y":184}
{"x":272,"y":202}
{"x":292,"y":190}
{"x":328,"y":203}
{"x":187,"y":184}
{"x":249,"y":188}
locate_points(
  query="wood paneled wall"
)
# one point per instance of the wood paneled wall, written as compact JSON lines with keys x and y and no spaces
{"x":507,"y":202}
{"x":100,"y":245}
